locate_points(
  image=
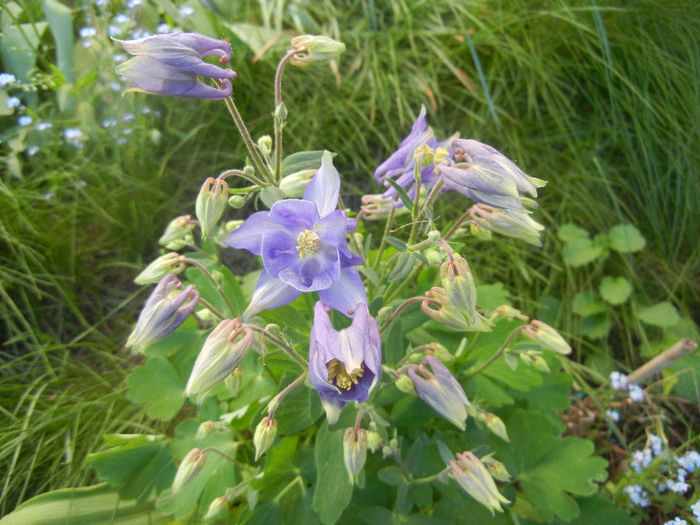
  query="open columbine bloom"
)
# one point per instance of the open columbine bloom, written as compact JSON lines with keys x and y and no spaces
{"x":303,"y":248}
{"x":400,"y":165}
{"x":170,"y":64}
{"x":344,"y":366}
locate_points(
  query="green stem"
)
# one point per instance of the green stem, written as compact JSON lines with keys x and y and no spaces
{"x":211,"y":307}
{"x":382,"y":243}
{"x":248,"y":140}
{"x":429,"y":479}
{"x":431,"y":197}
{"x":278,"y":121}
{"x":243,"y":175}
{"x":399,"y":308}
{"x":223,"y":455}
{"x":284,"y":346}
{"x":495,"y":356}
{"x":456,"y":225}
{"x":213,"y":281}
{"x":291,"y":386}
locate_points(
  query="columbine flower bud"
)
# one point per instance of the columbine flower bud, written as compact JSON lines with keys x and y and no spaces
{"x":374,"y":440}
{"x":208,"y":427}
{"x":178,"y":233}
{"x":264,"y":436}
{"x":511,"y":223}
{"x":221,"y":353}
{"x":294,"y":184}
{"x":161,"y":315}
{"x":547,"y":337}
{"x":473,"y":476}
{"x":313,"y":49}
{"x":233,"y":381}
{"x":496,"y":425}
{"x":534,"y":359}
{"x":439,"y":351}
{"x":355,"y":451}
{"x":169,"y":263}
{"x":376,"y":207}
{"x":236,"y":202}
{"x":211,"y":203}
{"x":496,"y":468}
{"x":265,"y":144}
{"x":479,"y":232}
{"x":507,"y":312}
{"x":440,"y":390}
{"x":188,"y":469}
{"x":216,"y":506}
{"x":405,"y":385}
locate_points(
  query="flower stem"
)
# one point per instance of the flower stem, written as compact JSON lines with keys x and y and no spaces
{"x":223,"y":455}
{"x":284,"y":346}
{"x":456,"y":225}
{"x":247,"y":139}
{"x":243,"y":175}
{"x":495,"y":356}
{"x":278,"y":120}
{"x":382,"y":243}
{"x":430,"y":479}
{"x":211,"y":308}
{"x":399,"y":308}
{"x":291,"y":386}
{"x":213,"y":281}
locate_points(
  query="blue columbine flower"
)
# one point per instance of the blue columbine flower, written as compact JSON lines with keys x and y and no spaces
{"x":170,"y":64}
{"x":400,"y":165}
{"x":344,"y":366}
{"x":303,"y":248}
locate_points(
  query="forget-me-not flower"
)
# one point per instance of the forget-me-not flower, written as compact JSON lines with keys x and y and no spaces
{"x":303,"y":248}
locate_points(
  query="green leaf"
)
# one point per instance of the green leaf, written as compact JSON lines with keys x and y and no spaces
{"x":403,"y":267}
{"x":299,"y":409}
{"x":596,"y":326}
{"x":581,"y":251}
{"x":625,"y":238}
{"x":19,"y":45}
{"x":95,"y":505}
{"x":662,"y":314}
{"x":391,"y":475}
{"x":570,"y":232}
{"x":60,"y":19}
{"x":393,"y":345}
{"x":135,"y":465}
{"x":256,"y":37}
{"x":332,"y":491}
{"x":396,"y":243}
{"x":549,"y":469}
{"x":586,"y":303}
{"x":301,"y":160}
{"x":402,"y":194}
{"x":158,"y":386}
{"x":600,"y":511}
{"x":491,"y":296}
{"x":615,"y":290}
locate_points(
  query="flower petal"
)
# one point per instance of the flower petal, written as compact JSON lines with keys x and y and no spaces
{"x":324,"y":187}
{"x":269,"y":293}
{"x":346,"y":292}
{"x":249,"y":235}
{"x":295,"y":214}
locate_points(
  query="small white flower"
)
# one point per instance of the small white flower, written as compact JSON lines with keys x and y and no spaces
{"x":113,"y":30}
{"x":163,"y":28}
{"x":121,"y":19}
{"x":87,"y":32}
{"x":185,"y":11}
{"x":32,"y":150}
{"x":636,"y":393}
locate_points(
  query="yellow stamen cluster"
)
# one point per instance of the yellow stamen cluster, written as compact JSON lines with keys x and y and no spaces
{"x":308,"y":243}
{"x":440,"y":155}
{"x":338,"y":374}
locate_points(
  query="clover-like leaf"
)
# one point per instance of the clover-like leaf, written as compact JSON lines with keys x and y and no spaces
{"x":615,"y":290}
{"x":662,"y":314}
{"x":582,"y":251}
{"x":570,"y":232}
{"x":158,"y":386}
{"x":625,"y":238}
{"x":586,"y":303}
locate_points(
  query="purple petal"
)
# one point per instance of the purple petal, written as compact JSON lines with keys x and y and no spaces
{"x":269,"y":293}
{"x":313,"y":272}
{"x":250,"y":234}
{"x":324,"y":186}
{"x":279,"y":251}
{"x":331,"y":229}
{"x":346,"y":292}
{"x":295,"y":214}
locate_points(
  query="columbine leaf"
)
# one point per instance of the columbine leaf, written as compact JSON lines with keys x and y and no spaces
{"x":615,"y":290}
{"x":402,"y":194}
{"x":135,"y":465}
{"x":662,"y":314}
{"x":403,"y":267}
{"x":491,"y":296}
{"x":332,"y":491}
{"x":302,"y":160}
{"x":581,"y":251}
{"x":625,"y":238}
{"x":158,"y":386}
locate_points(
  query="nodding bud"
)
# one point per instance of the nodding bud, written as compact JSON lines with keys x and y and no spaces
{"x":265,"y":144}
{"x":493,"y":422}
{"x":534,"y":359}
{"x":211,"y":203}
{"x":294,"y":184}
{"x":315,"y":49}
{"x":374,"y":440}
{"x":472,"y":475}
{"x":208,"y":427}
{"x":479,"y":232}
{"x":354,"y":451}
{"x":221,"y":353}
{"x":236,"y":202}
{"x":170,"y":263}
{"x":264,"y":435}
{"x":188,"y":469}
{"x":440,"y":390}
{"x":216,"y":506}
{"x":511,"y":223}
{"x":161,"y":315}
{"x":496,"y":468}
{"x":377,"y":207}
{"x":547,"y":337}
{"x":405,"y":385}
{"x":178,"y":233}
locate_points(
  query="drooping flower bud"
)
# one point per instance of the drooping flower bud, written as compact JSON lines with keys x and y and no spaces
{"x":547,"y":337}
{"x":211,"y":203}
{"x":315,"y":49}
{"x":236,"y":201}
{"x":405,"y":385}
{"x":294,"y":184}
{"x":265,"y":144}
{"x":178,"y":233}
{"x":188,"y":469}
{"x":170,"y":263}
{"x":161,"y":315}
{"x":492,"y":421}
{"x":221,"y":353}
{"x":440,"y":390}
{"x":374,"y":440}
{"x":473,"y":476}
{"x":207,"y":427}
{"x":377,"y":207}
{"x":217,"y":505}
{"x":534,"y":359}
{"x":496,"y":468}
{"x":479,"y":232}
{"x":354,"y":452}
{"x":264,"y":435}
{"x":511,"y":223}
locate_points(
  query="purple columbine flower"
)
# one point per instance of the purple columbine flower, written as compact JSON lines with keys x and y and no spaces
{"x":170,"y":64}
{"x":487,"y":176}
{"x":303,"y":248}
{"x":344,"y":366}
{"x":400,"y":164}
{"x":440,"y":390}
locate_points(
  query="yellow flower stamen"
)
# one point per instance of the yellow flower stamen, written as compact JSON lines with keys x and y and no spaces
{"x":342,"y":379}
{"x":308,"y":243}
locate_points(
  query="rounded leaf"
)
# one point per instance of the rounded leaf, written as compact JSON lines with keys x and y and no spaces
{"x":615,"y":290}
{"x":625,"y":238}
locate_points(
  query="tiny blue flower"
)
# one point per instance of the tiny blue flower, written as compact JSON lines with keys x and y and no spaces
{"x":25,"y":120}
{"x":676,"y":521}
{"x":636,"y":393}
{"x":87,"y":32}
{"x":612,"y":415}
{"x":618,"y":380}
{"x":32,"y":150}
{"x":13,"y":102}
{"x":185,"y":11}
{"x":109,"y":123}
{"x":121,"y":18}
{"x":695,"y":507}
{"x":163,"y":28}
{"x":42,"y":126}
{"x":7,"y":78}
{"x":114,"y":30}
